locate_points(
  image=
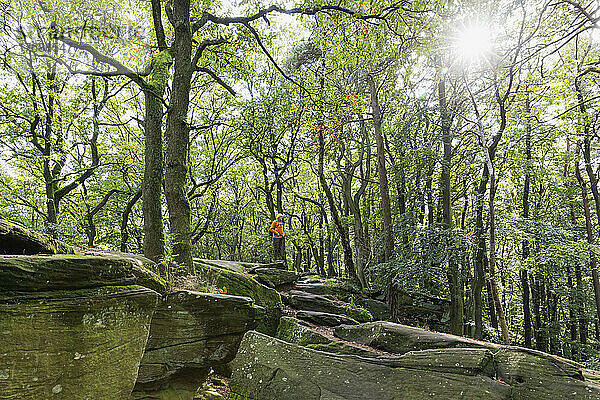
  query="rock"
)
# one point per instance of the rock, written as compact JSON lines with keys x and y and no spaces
{"x":240,"y":266}
{"x":274,"y":277}
{"x":277,"y":265}
{"x":234,"y":266}
{"x":242,"y":285}
{"x":294,"y":331}
{"x":190,"y":333}
{"x":268,"y":368}
{"x":420,"y":308}
{"x":333,"y":288}
{"x":325,"y":319}
{"x":400,"y":339}
{"x":378,"y":309}
{"x":313,"y":302}
{"x":79,"y":344}
{"x":536,"y":375}
{"x":73,"y":272}
{"x":16,"y":239}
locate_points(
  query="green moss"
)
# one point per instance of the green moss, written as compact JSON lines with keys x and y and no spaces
{"x":242,"y":285}
{"x":84,"y":344}
{"x":161,"y":63}
{"x":358,"y":313}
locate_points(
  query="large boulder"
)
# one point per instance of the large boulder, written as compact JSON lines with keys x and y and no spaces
{"x":268,"y":368}
{"x":191,"y":332}
{"x":536,"y":375}
{"x":378,"y":309}
{"x":240,"y":284}
{"x":16,"y":239}
{"x":275,"y":277}
{"x":400,"y":339}
{"x":325,"y":319}
{"x":295,"y":331}
{"x":73,"y":272}
{"x":313,"y":302}
{"x":73,"y":327}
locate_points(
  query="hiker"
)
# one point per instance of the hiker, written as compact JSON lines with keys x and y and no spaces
{"x":278,"y":237}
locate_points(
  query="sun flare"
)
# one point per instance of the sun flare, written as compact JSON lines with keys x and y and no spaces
{"x":473,"y":42}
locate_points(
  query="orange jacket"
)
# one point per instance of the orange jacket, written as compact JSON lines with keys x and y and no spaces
{"x":277,"y":229}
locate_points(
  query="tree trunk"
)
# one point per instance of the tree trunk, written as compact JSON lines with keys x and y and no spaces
{"x":154,"y":241}
{"x":125,"y":219}
{"x":177,"y":137}
{"x":455,"y":282}
{"x":479,"y":270}
{"x":525,"y":244}
{"x":386,"y":213}
{"x":590,"y":239}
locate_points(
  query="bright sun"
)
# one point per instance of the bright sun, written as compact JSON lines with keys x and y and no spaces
{"x":473,"y":42}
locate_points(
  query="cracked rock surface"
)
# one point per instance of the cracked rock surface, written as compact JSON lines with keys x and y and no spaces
{"x":191,"y":332}
{"x":73,"y":327}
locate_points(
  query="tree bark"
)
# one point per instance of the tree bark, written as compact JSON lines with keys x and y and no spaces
{"x":177,"y":137}
{"x":154,"y":242}
{"x":386,"y":211}
{"x":525,"y":244}
{"x":590,"y":239}
{"x":455,"y":281}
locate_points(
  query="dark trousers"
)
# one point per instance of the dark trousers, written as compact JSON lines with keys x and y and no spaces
{"x":278,"y":248}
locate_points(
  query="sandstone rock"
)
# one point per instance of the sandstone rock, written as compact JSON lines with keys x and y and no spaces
{"x":313,"y":302}
{"x":80,"y":344}
{"x":536,"y":375}
{"x":72,"y":272}
{"x":267,"y":368}
{"x":242,"y":285}
{"x":190,"y":333}
{"x":16,"y":239}
{"x":274,"y":277}
{"x":336,"y":289}
{"x":294,"y":331}
{"x":325,"y":319}
{"x":378,"y":309}
{"x":400,"y":339}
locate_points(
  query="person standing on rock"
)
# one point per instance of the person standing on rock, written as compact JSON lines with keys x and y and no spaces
{"x":278,"y":237}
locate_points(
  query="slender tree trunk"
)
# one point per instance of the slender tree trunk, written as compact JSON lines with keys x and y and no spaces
{"x":177,"y":137}
{"x":386,"y":210}
{"x":125,"y":219}
{"x":479,"y":270}
{"x":526,"y":307}
{"x":341,"y":228}
{"x":590,"y":239}
{"x":154,"y":242}
{"x":525,"y":244}
{"x":492,"y":263}
{"x":455,"y":281}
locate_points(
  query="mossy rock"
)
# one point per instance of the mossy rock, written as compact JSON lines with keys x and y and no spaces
{"x":84,"y":344}
{"x":275,"y":277}
{"x":16,"y":239}
{"x":73,"y":272}
{"x":268,"y":368}
{"x":239,"y":284}
{"x":538,"y":375}
{"x":400,"y":339}
{"x":325,"y":319}
{"x":295,"y":331}
{"x":313,"y":302}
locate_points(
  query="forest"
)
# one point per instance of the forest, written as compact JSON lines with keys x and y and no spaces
{"x":448,"y":148}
